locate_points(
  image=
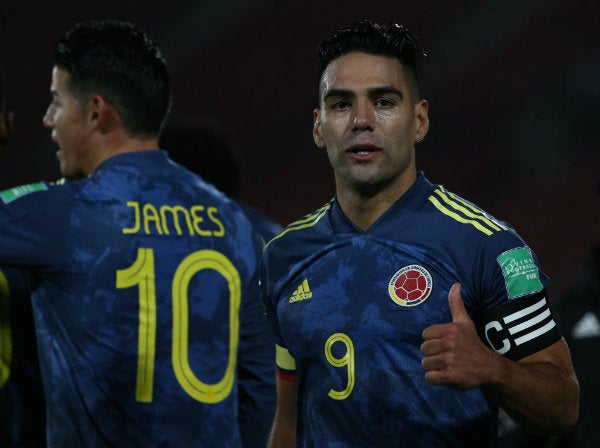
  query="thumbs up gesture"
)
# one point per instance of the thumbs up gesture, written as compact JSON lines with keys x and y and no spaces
{"x":454,"y":355}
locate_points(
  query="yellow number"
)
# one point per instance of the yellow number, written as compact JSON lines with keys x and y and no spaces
{"x":346,"y":360}
{"x":204,"y":259}
{"x":141,"y":273}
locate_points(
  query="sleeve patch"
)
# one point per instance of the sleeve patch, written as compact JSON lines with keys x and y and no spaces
{"x":285,"y":362}
{"x":521,"y":274}
{"x":520,"y":328}
{"x":15,"y":193}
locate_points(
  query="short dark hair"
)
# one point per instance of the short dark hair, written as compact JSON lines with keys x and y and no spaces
{"x":118,"y":61}
{"x":389,"y":39}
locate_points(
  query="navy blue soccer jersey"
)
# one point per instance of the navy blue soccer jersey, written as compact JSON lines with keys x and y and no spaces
{"x":349,"y":308}
{"x":145,"y":286}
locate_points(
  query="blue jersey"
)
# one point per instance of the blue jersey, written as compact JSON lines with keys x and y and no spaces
{"x":22,"y":409}
{"x":145,"y":285}
{"x":349,"y":308}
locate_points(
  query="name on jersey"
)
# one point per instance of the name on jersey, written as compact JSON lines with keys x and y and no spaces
{"x":174,"y":220}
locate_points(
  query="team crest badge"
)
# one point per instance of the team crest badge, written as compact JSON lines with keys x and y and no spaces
{"x":411,"y":285}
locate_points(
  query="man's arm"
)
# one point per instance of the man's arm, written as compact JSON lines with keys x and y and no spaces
{"x":539,"y":391}
{"x":283,"y":434}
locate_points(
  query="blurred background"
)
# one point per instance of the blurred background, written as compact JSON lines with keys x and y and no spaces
{"x":513,"y":88}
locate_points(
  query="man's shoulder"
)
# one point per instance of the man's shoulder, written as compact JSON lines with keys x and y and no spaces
{"x":35,"y":191}
{"x":15,"y":193}
{"x":311,"y":228}
{"x":460,"y":216}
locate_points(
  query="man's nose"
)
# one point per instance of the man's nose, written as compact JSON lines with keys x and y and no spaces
{"x":48,"y":119}
{"x":364,"y":117}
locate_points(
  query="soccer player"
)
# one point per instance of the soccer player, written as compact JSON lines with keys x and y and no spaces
{"x":207,"y":150}
{"x":405,"y":315}
{"x":22,"y":410}
{"x":144,"y":276}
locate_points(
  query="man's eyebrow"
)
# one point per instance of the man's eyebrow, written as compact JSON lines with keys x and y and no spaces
{"x":337,"y":92}
{"x":376,"y":91}
{"x":373,"y":91}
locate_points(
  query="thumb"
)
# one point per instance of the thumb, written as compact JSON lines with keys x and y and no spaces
{"x":457,"y":306}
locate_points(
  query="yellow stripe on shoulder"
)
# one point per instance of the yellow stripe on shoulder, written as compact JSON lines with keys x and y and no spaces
{"x":461,"y":211}
{"x":461,"y":205}
{"x":307,"y":221}
{"x":496,"y":225}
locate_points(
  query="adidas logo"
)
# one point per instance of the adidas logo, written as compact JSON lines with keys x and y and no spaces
{"x":303,"y":292}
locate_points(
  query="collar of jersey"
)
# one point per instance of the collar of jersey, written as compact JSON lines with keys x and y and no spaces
{"x":401,"y":211}
{"x":133,"y":158}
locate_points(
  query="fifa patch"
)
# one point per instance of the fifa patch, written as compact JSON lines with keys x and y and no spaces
{"x":15,"y":193}
{"x":521,"y":275}
{"x":410,"y":286}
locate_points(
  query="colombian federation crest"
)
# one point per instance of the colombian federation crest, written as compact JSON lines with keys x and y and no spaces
{"x":410,"y":286}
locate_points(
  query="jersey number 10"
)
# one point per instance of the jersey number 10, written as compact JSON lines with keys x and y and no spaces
{"x":141,"y":273}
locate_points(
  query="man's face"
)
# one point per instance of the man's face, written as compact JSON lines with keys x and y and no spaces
{"x":70,"y":128}
{"x":368,"y":123}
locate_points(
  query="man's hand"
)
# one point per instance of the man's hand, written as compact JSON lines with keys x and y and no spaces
{"x":454,"y":355}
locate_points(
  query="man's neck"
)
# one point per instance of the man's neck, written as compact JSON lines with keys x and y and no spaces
{"x":110,"y":147}
{"x":364,"y":209}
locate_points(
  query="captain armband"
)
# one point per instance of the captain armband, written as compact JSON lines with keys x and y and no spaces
{"x":520,"y":328}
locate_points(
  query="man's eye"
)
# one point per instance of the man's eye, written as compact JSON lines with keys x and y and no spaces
{"x":384,"y":102}
{"x":339,"y":105}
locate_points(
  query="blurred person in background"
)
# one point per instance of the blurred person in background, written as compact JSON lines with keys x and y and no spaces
{"x":577,"y":312}
{"x":205,"y":148}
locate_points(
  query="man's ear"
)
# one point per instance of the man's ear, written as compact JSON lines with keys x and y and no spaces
{"x":6,"y":128}
{"x":101,"y":114}
{"x":317,"y":136}
{"x":422,"y":121}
